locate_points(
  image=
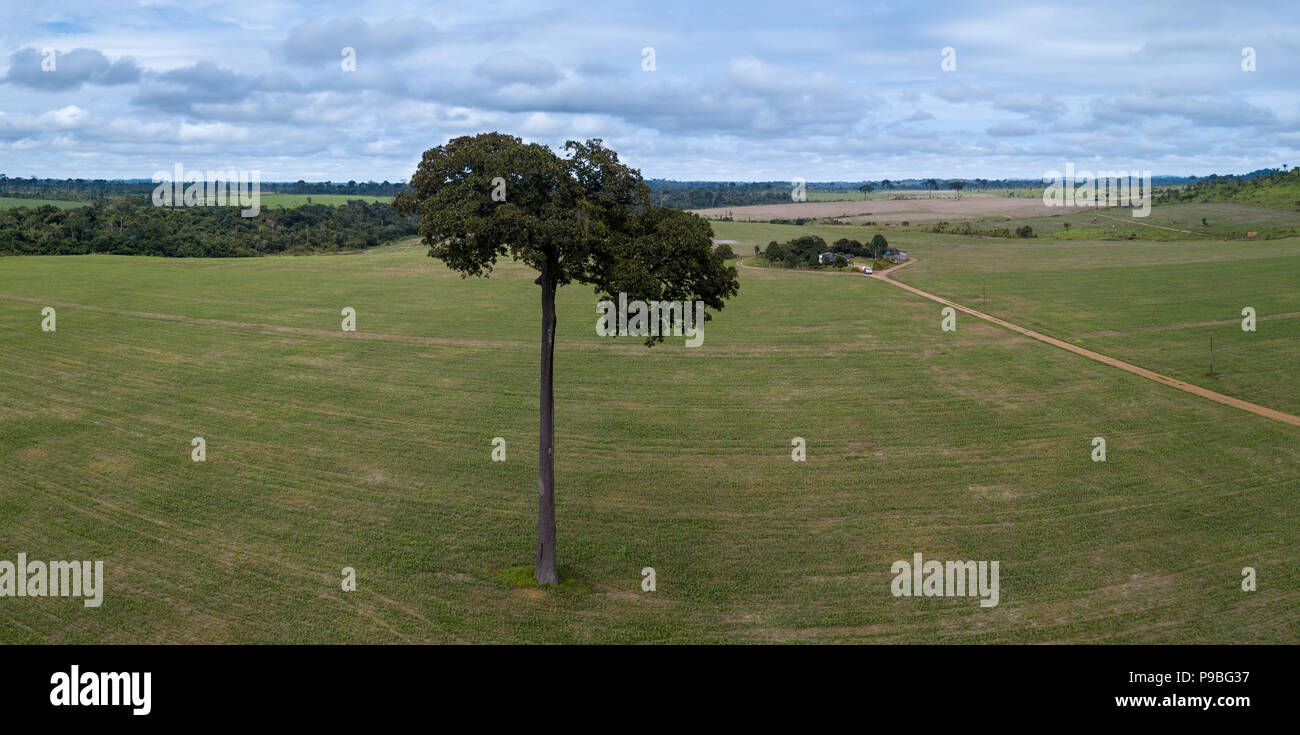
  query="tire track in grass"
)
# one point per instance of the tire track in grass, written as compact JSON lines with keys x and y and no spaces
{"x":1158,"y":227}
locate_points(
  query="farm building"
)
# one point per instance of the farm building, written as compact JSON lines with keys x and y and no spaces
{"x":829,"y":257}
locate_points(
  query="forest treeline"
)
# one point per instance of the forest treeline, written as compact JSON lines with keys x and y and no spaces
{"x":89,"y":190}
{"x":133,"y":226}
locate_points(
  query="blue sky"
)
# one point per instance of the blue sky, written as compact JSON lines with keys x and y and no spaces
{"x":740,"y":90}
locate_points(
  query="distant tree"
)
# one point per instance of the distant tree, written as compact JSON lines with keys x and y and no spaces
{"x":724,"y":251}
{"x":848,"y":247}
{"x":887,"y":184}
{"x":957,"y":186}
{"x":1025,"y":231}
{"x":930,"y":185}
{"x":585,"y":218}
{"x":878,"y":247}
{"x":866,"y":189}
{"x":775,"y":252}
{"x":806,"y":248}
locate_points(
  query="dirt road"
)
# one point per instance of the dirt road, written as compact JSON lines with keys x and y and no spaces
{"x":1148,"y":374}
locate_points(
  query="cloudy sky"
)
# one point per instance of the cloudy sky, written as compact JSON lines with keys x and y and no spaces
{"x":740,"y":89}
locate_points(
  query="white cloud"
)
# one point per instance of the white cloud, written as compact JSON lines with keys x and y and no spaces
{"x":64,"y":118}
{"x":217,"y":132}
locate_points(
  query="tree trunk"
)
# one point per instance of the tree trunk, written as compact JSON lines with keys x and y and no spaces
{"x":546,"y":572}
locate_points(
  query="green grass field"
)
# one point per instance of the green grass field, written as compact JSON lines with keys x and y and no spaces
{"x":1155,"y":304}
{"x":11,"y":202}
{"x":1200,"y":221}
{"x":297,"y":200}
{"x":372,"y":450}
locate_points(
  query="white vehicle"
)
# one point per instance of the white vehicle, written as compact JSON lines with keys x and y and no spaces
{"x":866,"y":269}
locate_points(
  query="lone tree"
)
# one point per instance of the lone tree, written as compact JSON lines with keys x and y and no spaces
{"x":878,"y":246}
{"x":586,"y":218}
{"x":866,"y":189}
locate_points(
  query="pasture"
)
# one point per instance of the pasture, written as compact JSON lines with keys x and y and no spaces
{"x":297,"y":200}
{"x":1155,"y":304}
{"x":11,"y":202}
{"x":1199,"y":221}
{"x":372,"y":450}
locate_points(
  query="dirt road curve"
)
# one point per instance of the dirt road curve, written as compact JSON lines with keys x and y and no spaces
{"x":1148,"y":374}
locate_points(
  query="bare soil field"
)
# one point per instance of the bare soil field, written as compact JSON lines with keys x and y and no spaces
{"x":894,"y":210}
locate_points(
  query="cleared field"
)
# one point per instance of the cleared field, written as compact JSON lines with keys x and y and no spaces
{"x":297,"y":200}
{"x":751,"y":234}
{"x":10,"y":202}
{"x":916,"y":208}
{"x":1161,"y":378}
{"x":815,"y":195}
{"x":1155,"y":304}
{"x":835,"y":196}
{"x":372,"y":450}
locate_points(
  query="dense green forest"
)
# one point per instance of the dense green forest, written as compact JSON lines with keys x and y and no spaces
{"x":701,"y":194}
{"x":86,"y":190}
{"x":135,"y":227}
